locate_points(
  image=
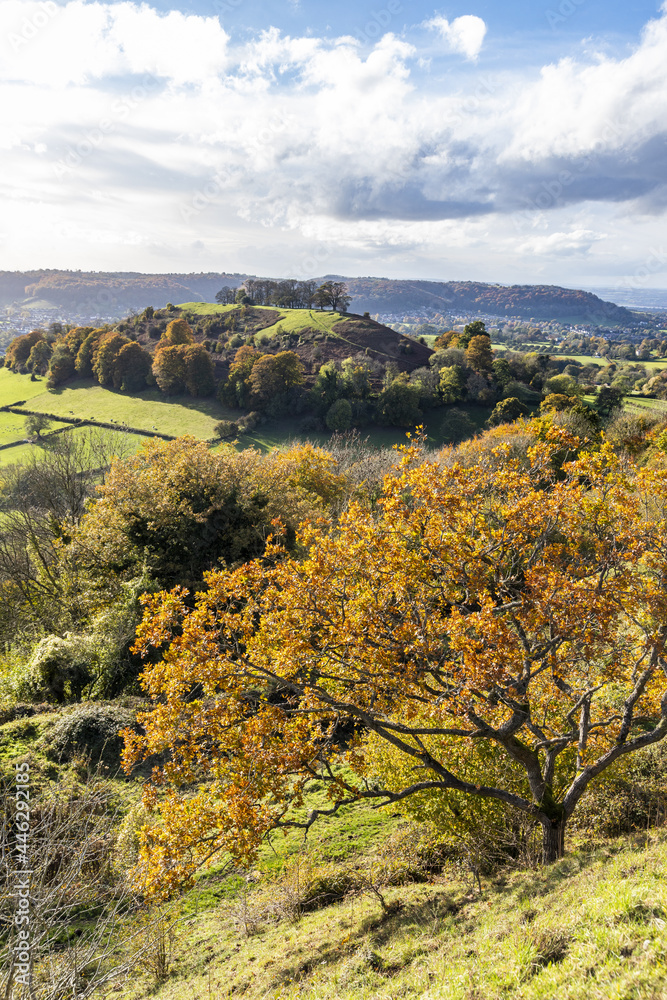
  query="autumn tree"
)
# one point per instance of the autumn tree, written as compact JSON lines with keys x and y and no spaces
{"x":132,"y":368}
{"x":199,"y":376}
{"x":169,"y":369}
{"x":236,"y":390}
{"x":514,"y":609}
{"x":178,"y":332}
{"x":85,"y":354}
{"x":478,"y":354}
{"x":61,"y":366}
{"x":274,"y":374}
{"x":40,"y":355}
{"x":105,"y":359}
{"x":20,"y":347}
{"x":177,"y":509}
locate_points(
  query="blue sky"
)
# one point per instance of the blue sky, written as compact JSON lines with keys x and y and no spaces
{"x":511,"y":142}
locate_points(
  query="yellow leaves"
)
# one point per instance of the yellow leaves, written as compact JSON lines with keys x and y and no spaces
{"x":479,"y":593}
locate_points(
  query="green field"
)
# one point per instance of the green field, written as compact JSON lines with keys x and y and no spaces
{"x":127,"y":444}
{"x":147,"y":410}
{"x":640,"y":403}
{"x":17,"y":388}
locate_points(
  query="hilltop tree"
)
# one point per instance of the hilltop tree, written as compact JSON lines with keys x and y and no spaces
{"x":226,"y":295}
{"x":334,"y":294}
{"x":498,"y":612}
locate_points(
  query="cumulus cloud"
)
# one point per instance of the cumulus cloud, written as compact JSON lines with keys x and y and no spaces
{"x":76,"y":43}
{"x":163,"y":127}
{"x":464,"y":34}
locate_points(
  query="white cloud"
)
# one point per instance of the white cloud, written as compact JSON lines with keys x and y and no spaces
{"x":77,"y":42}
{"x":280,"y":141}
{"x":575,"y":243}
{"x":464,"y":34}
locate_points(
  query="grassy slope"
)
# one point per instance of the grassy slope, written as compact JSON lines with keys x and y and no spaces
{"x":291,"y":320}
{"x":147,"y":410}
{"x":591,"y":927}
{"x":17,"y":388}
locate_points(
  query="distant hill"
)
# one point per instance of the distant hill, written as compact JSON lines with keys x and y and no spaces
{"x":525,"y":301}
{"x":106,"y":293}
{"x":98,"y":292}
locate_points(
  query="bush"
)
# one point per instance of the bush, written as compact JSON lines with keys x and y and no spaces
{"x":310,"y":425}
{"x":226,"y":428}
{"x":59,"y":669}
{"x":339,"y":416}
{"x":92,"y":732}
{"x":507,"y":411}
{"x":631,"y":795}
{"x":249,"y":422}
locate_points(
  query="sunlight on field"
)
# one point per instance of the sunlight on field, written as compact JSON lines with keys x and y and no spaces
{"x":148,"y":410}
{"x":17,"y":388}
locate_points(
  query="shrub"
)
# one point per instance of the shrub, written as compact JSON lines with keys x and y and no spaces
{"x":59,"y":669}
{"x":506,"y":411}
{"x":310,"y":425}
{"x":339,"y":416}
{"x":92,"y":732}
{"x":226,"y":428}
{"x":630,"y":796}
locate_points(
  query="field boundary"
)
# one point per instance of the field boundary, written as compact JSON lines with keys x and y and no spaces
{"x":89,"y":422}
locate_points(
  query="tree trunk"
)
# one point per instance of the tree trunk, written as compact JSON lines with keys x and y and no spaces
{"x":553,"y":840}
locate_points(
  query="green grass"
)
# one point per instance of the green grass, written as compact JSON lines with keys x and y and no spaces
{"x":640,"y":403}
{"x":291,"y":320}
{"x":591,"y":927}
{"x":279,"y":433}
{"x":147,"y":410}
{"x":14,"y":388}
{"x":12,"y":428}
{"x":127,"y":444}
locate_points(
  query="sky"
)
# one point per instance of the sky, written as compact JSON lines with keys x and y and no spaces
{"x":511,"y":142}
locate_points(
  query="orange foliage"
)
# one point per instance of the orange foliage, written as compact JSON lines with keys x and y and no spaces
{"x":512,"y":601}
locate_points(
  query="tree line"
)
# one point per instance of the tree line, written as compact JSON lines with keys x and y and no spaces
{"x":288,"y":294}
